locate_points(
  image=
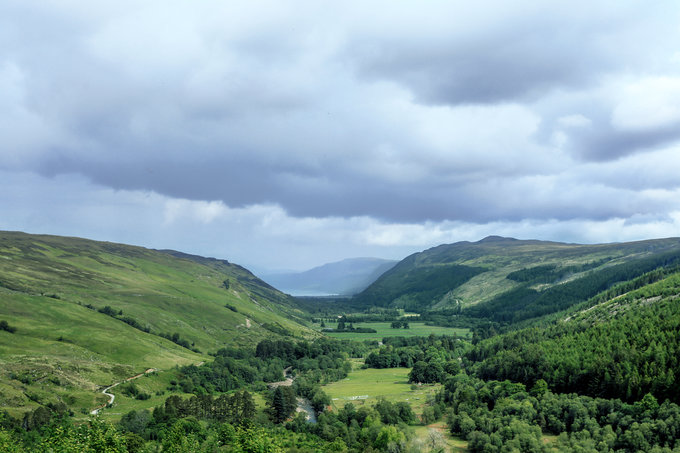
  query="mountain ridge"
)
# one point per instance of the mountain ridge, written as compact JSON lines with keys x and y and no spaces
{"x":485,"y":266}
{"x":344,"y":277}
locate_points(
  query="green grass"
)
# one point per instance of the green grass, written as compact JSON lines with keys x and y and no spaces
{"x":364,"y":387}
{"x":415,"y":279}
{"x":154,"y":384}
{"x":417,"y":329}
{"x":550,"y":441}
{"x":65,"y":351}
{"x":453,"y":444}
{"x":62,"y":349}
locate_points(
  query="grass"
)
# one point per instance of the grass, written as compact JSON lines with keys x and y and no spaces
{"x":154,"y":384}
{"x":550,"y":441}
{"x":497,"y":258}
{"x":391,"y":384}
{"x":63,"y":350}
{"x":417,"y":329}
{"x":365,"y":387}
{"x":453,"y":444}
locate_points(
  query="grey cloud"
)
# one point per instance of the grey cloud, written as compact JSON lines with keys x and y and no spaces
{"x":247,"y":119}
{"x":532,"y":49}
{"x":241,"y":183}
{"x":600,"y":140}
{"x":502,"y":69}
{"x":606,"y":143}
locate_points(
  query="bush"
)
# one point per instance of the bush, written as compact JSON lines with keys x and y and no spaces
{"x":6,"y":327}
{"x":129,"y":390}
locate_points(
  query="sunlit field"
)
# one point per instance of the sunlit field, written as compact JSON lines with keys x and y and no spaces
{"x":383,"y":329}
{"x":366,"y":386}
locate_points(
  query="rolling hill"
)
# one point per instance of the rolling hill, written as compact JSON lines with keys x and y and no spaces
{"x":87,"y":313}
{"x":498,"y":277}
{"x":622,"y":343}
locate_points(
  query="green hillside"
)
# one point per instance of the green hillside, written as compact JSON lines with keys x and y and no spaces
{"x":622,"y":344}
{"x":88,"y":313}
{"x":500,"y":271}
{"x":599,"y":375}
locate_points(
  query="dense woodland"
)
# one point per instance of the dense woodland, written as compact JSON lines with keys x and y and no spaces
{"x":617,"y":351}
{"x":416,"y":288}
{"x":503,"y":416}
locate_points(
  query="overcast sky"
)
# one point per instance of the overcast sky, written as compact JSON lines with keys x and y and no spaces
{"x":284,"y":135}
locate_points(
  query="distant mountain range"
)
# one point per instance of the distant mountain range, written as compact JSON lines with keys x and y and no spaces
{"x":344,"y":277}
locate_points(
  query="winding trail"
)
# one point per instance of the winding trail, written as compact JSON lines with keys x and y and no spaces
{"x":112,"y":396}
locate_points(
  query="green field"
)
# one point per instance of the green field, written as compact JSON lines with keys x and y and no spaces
{"x":366,"y":386}
{"x":452,"y":444}
{"x":417,"y":329}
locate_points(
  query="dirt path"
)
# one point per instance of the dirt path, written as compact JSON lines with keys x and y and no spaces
{"x":112,"y":396}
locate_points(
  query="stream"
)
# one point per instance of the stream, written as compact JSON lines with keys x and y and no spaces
{"x":303,"y":405}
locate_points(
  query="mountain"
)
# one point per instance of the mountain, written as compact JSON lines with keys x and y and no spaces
{"x":344,"y":277}
{"x":87,"y":313}
{"x":507,"y":279}
{"x":622,"y":343}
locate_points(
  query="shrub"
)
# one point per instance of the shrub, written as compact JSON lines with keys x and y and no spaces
{"x":6,"y":327}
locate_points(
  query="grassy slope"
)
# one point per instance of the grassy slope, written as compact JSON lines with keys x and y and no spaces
{"x":62,"y":349}
{"x":498,"y":257}
{"x":665,"y":290}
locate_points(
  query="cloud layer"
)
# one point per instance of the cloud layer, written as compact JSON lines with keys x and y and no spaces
{"x":370,"y":124}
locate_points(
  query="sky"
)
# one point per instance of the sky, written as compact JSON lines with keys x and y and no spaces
{"x":285,"y":135}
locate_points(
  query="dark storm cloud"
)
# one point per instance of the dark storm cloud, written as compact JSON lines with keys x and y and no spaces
{"x":241,"y":183}
{"x":596,"y":139}
{"x":607,"y":143}
{"x":491,"y":52}
{"x":514,"y":65}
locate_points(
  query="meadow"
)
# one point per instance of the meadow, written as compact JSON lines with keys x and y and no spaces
{"x":383,"y":329}
{"x":451,"y":444}
{"x":366,"y":386}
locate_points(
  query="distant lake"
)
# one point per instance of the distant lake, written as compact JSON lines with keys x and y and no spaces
{"x":310,"y":293}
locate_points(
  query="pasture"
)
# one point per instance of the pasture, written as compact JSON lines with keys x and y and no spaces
{"x":383,"y":329}
{"x":365,"y":386}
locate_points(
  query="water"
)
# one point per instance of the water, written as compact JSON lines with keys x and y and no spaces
{"x":305,"y":406}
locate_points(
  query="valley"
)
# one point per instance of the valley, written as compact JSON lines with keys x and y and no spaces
{"x":498,"y":345}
